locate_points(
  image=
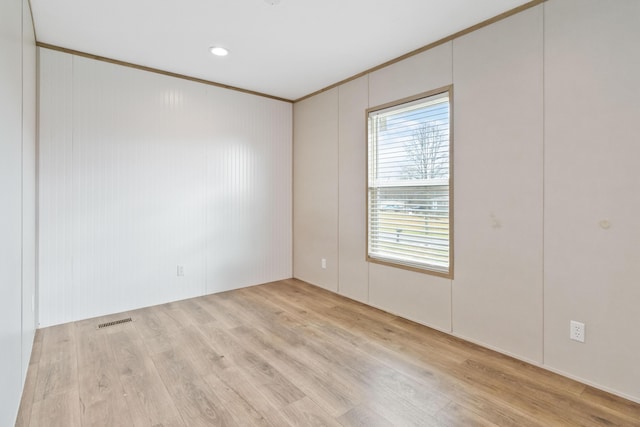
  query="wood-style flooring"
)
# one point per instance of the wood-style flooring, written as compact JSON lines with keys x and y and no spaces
{"x":290,"y":354}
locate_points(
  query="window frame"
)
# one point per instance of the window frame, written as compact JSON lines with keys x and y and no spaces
{"x":426,"y":270}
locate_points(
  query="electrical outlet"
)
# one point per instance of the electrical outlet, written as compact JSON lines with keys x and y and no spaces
{"x":324,"y":263}
{"x":180,"y":270}
{"x":576,"y":331}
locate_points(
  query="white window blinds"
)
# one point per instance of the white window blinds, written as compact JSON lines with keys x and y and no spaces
{"x":408,"y":184}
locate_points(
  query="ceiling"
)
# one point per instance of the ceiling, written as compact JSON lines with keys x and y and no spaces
{"x":286,"y":50}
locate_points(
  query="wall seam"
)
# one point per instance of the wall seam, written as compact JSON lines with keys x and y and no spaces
{"x":544,"y":41}
{"x":338,"y":189}
{"x":36,"y":291}
{"x":70,"y":205}
{"x":207,"y":209}
{"x":22,"y":376}
{"x":293,"y":189}
{"x":366,"y":188}
{"x":452,"y":256}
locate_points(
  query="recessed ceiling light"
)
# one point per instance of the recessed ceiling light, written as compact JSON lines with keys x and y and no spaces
{"x":219,"y":51}
{"x":272,"y":2}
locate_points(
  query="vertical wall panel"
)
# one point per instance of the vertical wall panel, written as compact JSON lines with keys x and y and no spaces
{"x":55,"y":286}
{"x":162,"y":173}
{"x":249,"y":203}
{"x":10,"y":213}
{"x":497,"y":291}
{"x":17,"y":206}
{"x":592,"y":106}
{"x":28,"y":185}
{"x":138,"y":188}
{"x":353,"y":268}
{"x":315,"y":218}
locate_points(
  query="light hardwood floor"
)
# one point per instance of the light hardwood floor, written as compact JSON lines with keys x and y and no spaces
{"x":288,"y":353}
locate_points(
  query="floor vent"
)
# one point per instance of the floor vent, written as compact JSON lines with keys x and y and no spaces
{"x":115,"y":322}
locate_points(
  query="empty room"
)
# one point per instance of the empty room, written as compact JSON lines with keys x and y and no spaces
{"x":338,"y":213}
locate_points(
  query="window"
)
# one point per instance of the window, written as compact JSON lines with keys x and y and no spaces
{"x":409,"y":184}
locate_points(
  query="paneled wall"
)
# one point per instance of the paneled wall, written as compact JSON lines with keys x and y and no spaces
{"x":353,"y":270}
{"x":17,"y":193}
{"x":315,"y":172}
{"x":545,"y":114}
{"x":29,"y":185}
{"x":592,"y":190}
{"x":141,"y":173}
{"x":498,"y":180}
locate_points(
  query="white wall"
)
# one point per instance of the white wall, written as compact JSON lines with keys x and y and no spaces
{"x":17,"y":192}
{"x":315,"y":212}
{"x":140,"y":173}
{"x":498,"y":179}
{"x":592,"y":107}
{"x":545,"y":117}
{"x":353,"y":99}
{"x":29,"y":178}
